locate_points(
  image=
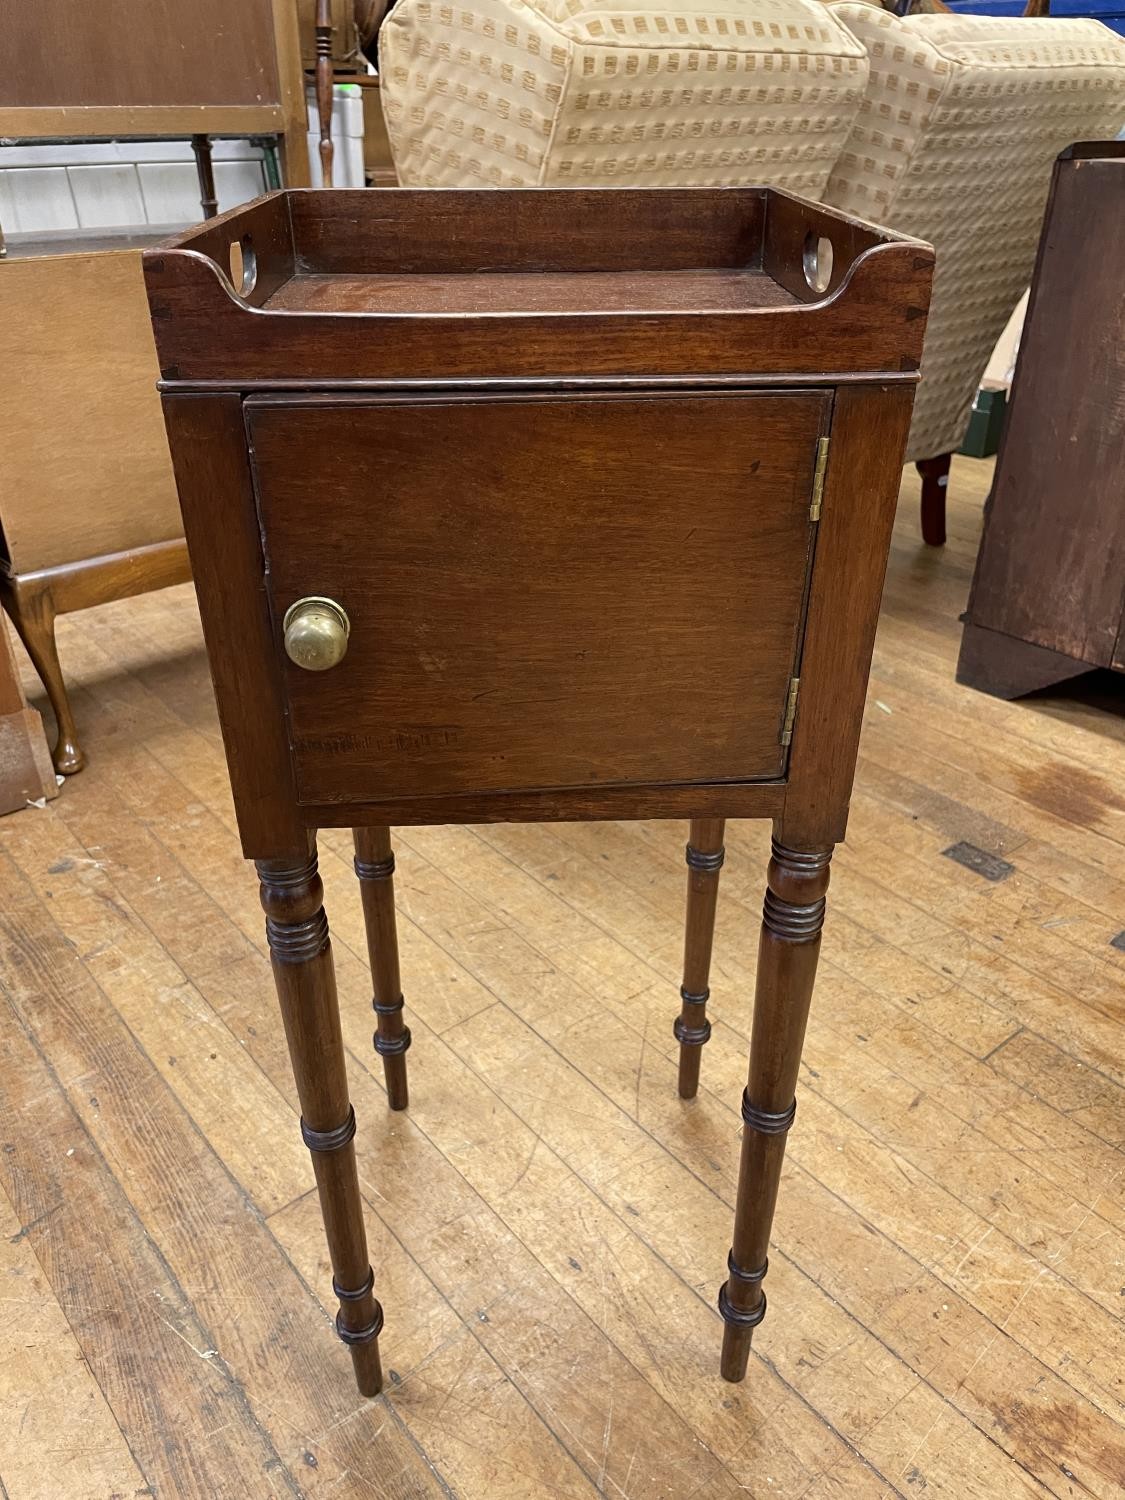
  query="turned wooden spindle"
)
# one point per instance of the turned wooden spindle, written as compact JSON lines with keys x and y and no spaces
{"x":303,"y":972}
{"x":204,"y":170}
{"x":375,"y":867}
{"x":788,"y":948}
{"x":322,"y":30}
{"x":704,"y":854}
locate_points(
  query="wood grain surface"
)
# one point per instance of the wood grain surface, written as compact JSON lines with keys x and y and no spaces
{"x":549,"y":1223}
{"x":480,"y":549}
{"x":870,"y":319}
{"x":533,"y":291}
{"x":165,"y":52}
{"x":109,"y":487}
{"x":1049,"y":577}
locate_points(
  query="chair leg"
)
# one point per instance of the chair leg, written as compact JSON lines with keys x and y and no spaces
{"x":204,"y":170}
{"x":704,"y":855}
{"x":375,"y":866}
{"x":935,"y":482}
{"x":33,"y":615}
{"x":787,"y":955}
{"x":306,"y":988}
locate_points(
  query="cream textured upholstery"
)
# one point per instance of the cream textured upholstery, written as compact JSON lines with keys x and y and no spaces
{"x":940,"y":126}
{"x":954,"y":143}
{"x":561,"y":93}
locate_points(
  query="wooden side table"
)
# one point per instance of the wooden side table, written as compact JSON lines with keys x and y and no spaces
{"x":538,"y":505}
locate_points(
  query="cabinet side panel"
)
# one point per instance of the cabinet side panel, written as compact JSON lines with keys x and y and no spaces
{"x":208,"y":443}
{"x":868,"y":439}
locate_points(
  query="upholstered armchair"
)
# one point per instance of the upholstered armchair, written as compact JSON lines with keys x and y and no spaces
{"x":601,"y":93}
{"x":954,"y":142}
{"x":941,"y":126}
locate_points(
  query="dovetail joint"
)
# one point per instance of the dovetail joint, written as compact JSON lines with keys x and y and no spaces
{"x":818,"y":478}
{"x":790,"y":711}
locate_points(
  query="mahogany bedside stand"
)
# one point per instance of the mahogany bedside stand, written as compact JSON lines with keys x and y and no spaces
{"x":534,"y":505}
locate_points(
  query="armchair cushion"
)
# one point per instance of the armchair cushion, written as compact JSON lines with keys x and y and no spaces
{"x":516,"y":93}
{"x":954,"y":142}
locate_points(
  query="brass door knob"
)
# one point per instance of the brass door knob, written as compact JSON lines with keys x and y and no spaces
{"x":316,"y":633}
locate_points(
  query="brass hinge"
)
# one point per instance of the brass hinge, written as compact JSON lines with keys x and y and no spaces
{"x":818,"y":478}
{"x":790,"y":710}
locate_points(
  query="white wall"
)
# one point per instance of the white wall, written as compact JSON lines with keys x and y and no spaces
{"x":117,"y":184}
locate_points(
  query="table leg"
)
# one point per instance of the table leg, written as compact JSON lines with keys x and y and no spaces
{"x":375,"y":867}
{"x":208,"y":201}
{"x":32,"y":611}
{"x":787,"y":953}
{"x":704,"y":855}
{"x":935,"y":480}
{"x":297,"y":929}
{"x":322,"y":33}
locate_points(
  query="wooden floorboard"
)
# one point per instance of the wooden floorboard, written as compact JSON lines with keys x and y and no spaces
{"x":549,"y":1224}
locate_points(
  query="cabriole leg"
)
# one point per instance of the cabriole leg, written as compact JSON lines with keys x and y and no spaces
{"x":375,"y":866}
{"x":787,"y":955}
{"x":306,"y":987}
{"x":33,"y":615}
{"x":704,"y":855}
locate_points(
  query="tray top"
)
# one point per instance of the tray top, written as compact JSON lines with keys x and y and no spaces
{"x":532,"y":291}
{"x":392,"y":285}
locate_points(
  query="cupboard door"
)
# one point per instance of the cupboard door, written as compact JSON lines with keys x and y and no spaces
{"x":566,"y":591}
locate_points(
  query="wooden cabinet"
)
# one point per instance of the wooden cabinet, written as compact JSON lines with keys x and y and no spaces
{"x":1048,"y":596}
{"x":164,"y":68}
{"x":538,"y":505}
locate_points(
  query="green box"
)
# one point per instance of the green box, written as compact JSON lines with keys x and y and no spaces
{"x":983,"y":436}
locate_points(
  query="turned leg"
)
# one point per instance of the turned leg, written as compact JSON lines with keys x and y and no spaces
{"x":33,"y":615}
{"x":375,"y":866}
{"x":208,"y":201}
{"x":306,"y":987}
{"x":787,"y":954}
{"x":322,"y":33}
{"x":935,"y":482}
{"x":692,"y":1028}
